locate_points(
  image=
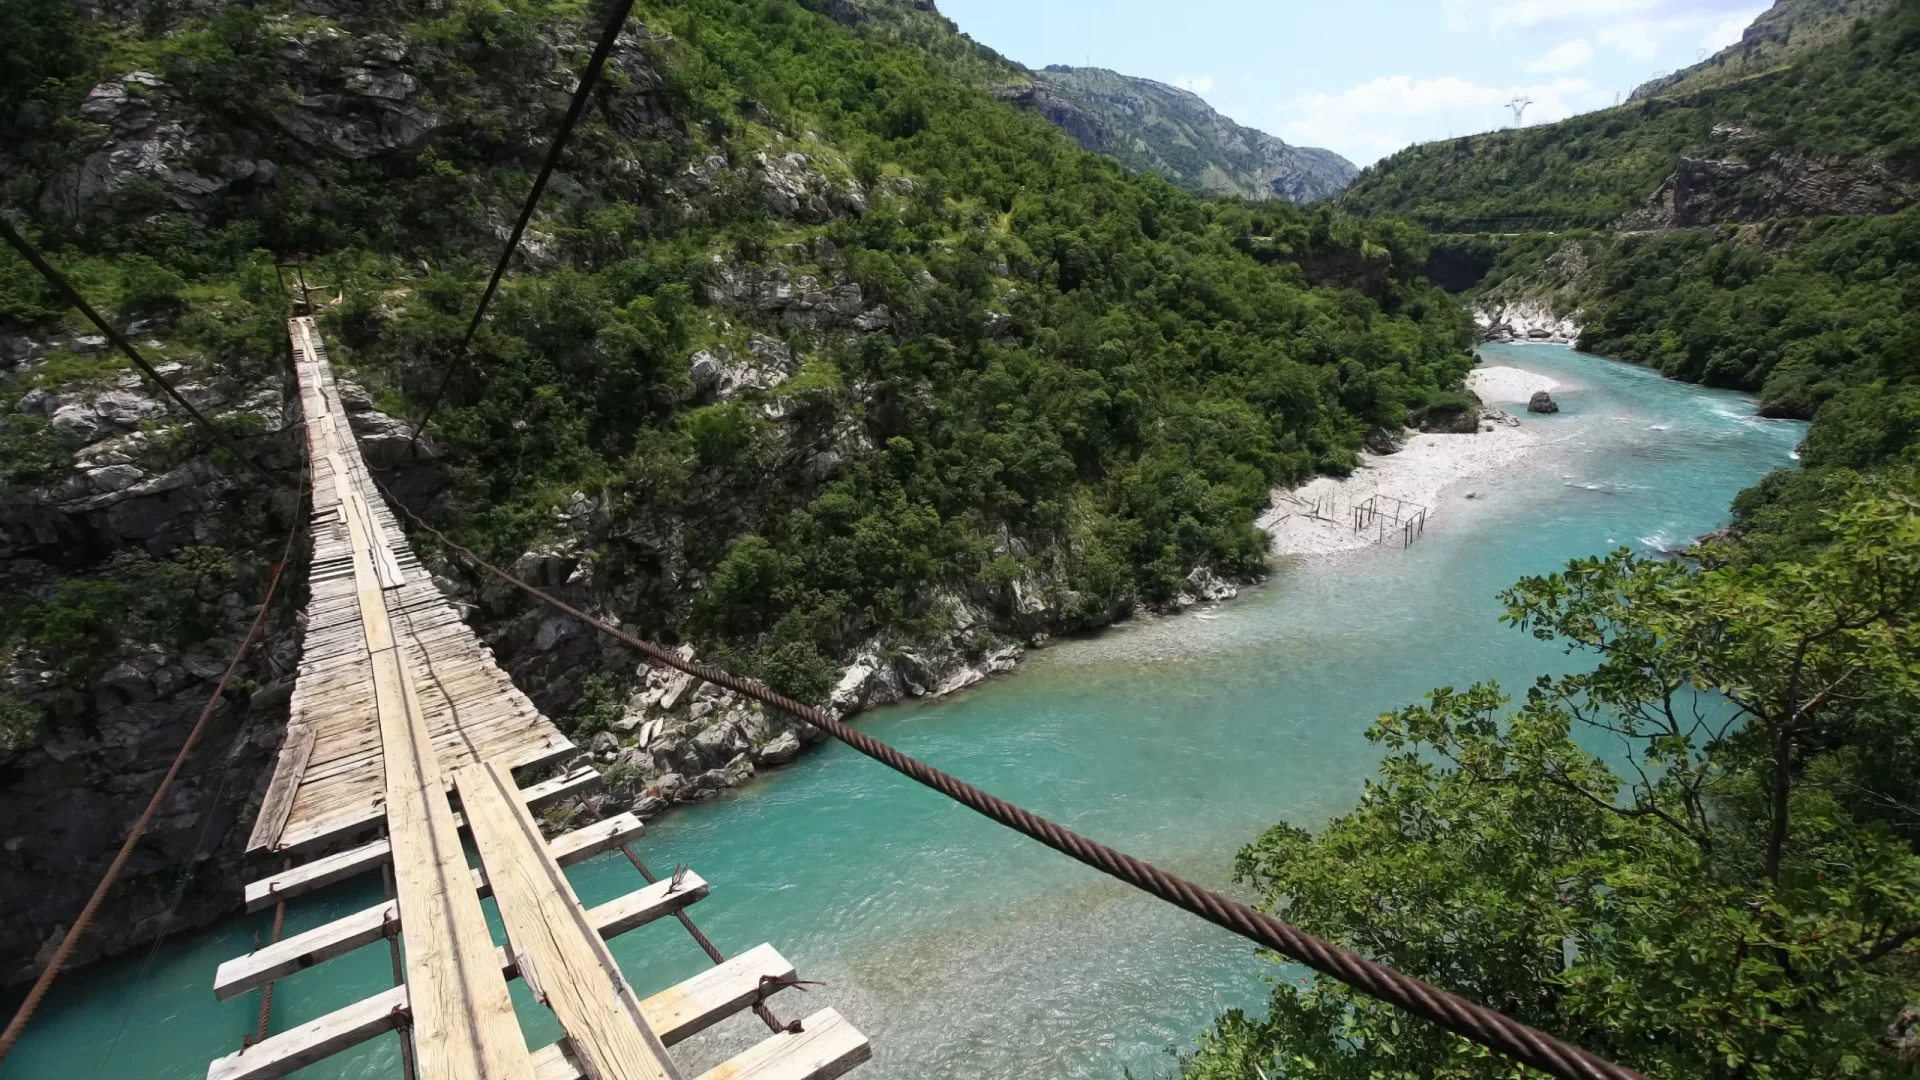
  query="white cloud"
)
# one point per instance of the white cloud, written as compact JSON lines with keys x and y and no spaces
{"x":1729,"y":29}
{"x":1566,"y":56}
{"x":1639,"y":38}
{"x":1199,"y":84}
{"x":1528,"y":14}
{"x":1373,"y":119}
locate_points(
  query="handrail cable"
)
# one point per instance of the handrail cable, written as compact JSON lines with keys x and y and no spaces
{"x":616,"y":21}
{"x":72,"y":296}
{"x":1451,"y":1012}
{"x":80,"y":924}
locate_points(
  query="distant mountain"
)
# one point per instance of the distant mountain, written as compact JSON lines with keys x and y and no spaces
{"x":1159,"y":128}
{"x":1147,"y":125}
{"x":1782,"y":33}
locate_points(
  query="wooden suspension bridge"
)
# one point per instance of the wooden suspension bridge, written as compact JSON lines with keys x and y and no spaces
{"x":398,"y":710}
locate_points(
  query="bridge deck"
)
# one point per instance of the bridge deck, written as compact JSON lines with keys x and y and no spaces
{"x":396,"y":701}
{"x":330,"y":775}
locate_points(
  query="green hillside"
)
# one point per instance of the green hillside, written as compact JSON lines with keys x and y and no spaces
{"x":1781,"y":34}
{"x":849,"y":336}
{"x":1837,"y":131}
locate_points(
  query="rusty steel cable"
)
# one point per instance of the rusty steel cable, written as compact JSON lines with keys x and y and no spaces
{"x":1494,"y":1030}
{"x":72,"y":296}
{"x":616,"y":20}
{"x":759,"y":1007}
{"x":266,"y":992}
{"x":404,"y":1031}
{"x":85,"y":919}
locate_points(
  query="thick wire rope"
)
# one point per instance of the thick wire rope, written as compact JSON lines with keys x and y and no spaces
{"x":72,"y":296}
{"x":1489,"y":1028}
{"x":616,"y":20}
{"x":85,"y":919}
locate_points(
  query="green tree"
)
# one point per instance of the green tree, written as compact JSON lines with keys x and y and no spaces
{"x":1685,"y":859}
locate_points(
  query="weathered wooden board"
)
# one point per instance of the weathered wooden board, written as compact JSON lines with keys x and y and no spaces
{"x":345,"y":934}
{"x":327,"y":785}
{"x":672,"y":1012}
{"x":560,"y":956}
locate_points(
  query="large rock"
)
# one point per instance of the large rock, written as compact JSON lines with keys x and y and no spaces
{"x":1542,"y":402}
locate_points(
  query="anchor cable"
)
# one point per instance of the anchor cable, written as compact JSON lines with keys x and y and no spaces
{"x":1449,"y":1011}
{"x":616,"y":20}
{"x":72,"y":296}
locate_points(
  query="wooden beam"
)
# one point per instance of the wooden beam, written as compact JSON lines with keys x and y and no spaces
{"x":297,"y":1048}
{"x":671,"y":1012}
{"x":322,"y":832}
{"x":343,"y":935}
{"x":825,"y":1047}
{"x":332,"y":869}
{"x":560,"y":956}
{"x":715,"y":994}
{"x":464,"y":1027}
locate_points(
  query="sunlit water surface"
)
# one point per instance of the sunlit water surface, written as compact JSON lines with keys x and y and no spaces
{"x":964,"y":950}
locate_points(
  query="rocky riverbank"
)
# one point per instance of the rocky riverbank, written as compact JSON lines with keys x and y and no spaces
{"x":1317,"y":518}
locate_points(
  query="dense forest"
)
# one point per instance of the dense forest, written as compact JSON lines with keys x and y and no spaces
{"x":1839,"y":126}
{"x":1010,"y":363}
{"x":1696,"y":856}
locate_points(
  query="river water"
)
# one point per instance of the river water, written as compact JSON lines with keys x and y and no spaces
{"x":965,"y":950}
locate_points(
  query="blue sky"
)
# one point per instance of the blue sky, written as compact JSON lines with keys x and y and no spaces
{"x":1366,"y":77}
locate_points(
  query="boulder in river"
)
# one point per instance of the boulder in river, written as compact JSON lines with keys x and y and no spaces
{"x":1542,"y":402}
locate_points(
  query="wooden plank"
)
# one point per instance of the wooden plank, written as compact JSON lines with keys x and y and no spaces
{"x":320,"y":832}
{"x":825,"y":1047}
{"x":350,"y":932}
{"x":318,"y":874}
{"x":297,"y":1048}
{"x":331,"y":869}
{"x":561,"y":958}
{"x":642,"y":906}
{"x":671,"y":1012}
{"x":464,"y":1026}
{"x":289,"y":767}
{"x":714,"y":994}
{"x":302,"y":951}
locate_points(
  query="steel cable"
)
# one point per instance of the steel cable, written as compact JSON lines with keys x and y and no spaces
{"x":616,"y":20}
{"x":85,"y":919}
{"x":1485,"y":1026}
{"x":72,"y":296}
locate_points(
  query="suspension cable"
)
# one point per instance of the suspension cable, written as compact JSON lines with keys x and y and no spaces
{"x":80,"y":924}
{"x":616,"y":20}
{"x":72,"y":296}
{"x":1489,"y":1028}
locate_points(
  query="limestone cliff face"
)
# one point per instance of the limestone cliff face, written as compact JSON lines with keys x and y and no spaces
{"x":1712,"y":190}
{"x":1159,"y":128}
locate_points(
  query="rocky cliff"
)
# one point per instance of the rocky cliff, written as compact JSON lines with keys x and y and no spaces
{"x":1778,"y":35}
{"x":1173,"y":132}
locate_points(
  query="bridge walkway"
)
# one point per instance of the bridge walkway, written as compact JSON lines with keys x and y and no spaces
{"x":396,"y":707}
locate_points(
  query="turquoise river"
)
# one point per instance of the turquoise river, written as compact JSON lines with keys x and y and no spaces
{"x":964,"y":950}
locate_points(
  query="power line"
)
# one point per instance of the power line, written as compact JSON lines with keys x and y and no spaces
{"x":1485,"y":1026}
{"x":73,"y":297}
{"x":616,"y":20}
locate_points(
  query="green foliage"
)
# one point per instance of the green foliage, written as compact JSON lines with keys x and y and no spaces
{"x":1800,"y":313}
{"x":1857,"y":99}
{"x":172,"y":601}
{"x":599,"y":703}
{"x":18,"y":722}
{"x":1730,"y":891}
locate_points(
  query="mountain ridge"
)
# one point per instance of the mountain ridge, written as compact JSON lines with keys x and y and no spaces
{"x":1154,"y":127}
